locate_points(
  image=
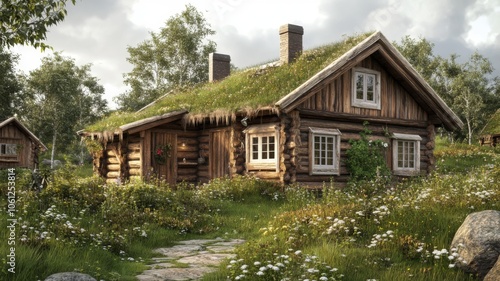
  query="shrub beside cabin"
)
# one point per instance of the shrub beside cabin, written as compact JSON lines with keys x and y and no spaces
{"x":18,"y":146}
{"x":288,"y":121}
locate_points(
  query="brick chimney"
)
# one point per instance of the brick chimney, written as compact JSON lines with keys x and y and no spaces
{"x":218,"y":66}
{"x":290,"y":42}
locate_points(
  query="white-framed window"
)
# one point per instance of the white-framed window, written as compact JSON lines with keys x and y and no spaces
{"x":365,"y":88}
{"x":8,"y":149}
{"x":406,"y":154}
{"x":324,"y":151}
{"x":262,"y":144}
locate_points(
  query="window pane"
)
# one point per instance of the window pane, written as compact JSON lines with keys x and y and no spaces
{"x":264,"y":148}
{"x":255,"y":148}
{"x":2,"y":149}
{"x":400,"y":154}
{"x":329,"y":158}
{"x":370,"y":86}
{"x":10,"y":149}
{"x":272,"y":148}
{"x":359,"y":86}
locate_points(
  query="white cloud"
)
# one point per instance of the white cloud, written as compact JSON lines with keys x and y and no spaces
{"x":99,"y":31}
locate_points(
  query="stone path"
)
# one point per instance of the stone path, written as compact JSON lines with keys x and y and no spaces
{"x":189,"y":260}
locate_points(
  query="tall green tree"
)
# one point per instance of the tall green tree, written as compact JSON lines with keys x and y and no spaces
{"x":26,"y":21}
{"x":465,"y":87}
{"x":10,"y":86}
{"x":61,"y":98}
{"x":419,"y":52}
{"x":176,"y":56}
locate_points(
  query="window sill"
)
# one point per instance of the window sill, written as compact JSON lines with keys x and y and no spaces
{"x":9,"y":160}
{"x":406,"y":172}
{"x":324,"y":173}
{"x":261,"y":166}
{"x":366,"y":105}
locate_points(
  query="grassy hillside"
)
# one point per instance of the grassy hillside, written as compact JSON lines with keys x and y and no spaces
{"x":364,"y":232}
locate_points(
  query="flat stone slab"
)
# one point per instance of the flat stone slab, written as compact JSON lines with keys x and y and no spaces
{"x":205,"y":259}
{"x":175,"y":274}
{"x":179,"y":250}
{"x":200,"y":241}
{"x":198,"y":257}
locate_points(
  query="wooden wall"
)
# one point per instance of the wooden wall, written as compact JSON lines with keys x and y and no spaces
{"x":27,"y":151}
{"x":299,"y":155}
{"x":334,"y":95}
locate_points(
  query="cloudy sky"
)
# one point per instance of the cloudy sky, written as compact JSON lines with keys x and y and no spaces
{"x":99,"y":31}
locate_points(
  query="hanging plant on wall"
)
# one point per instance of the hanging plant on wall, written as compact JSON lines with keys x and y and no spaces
{"x":161,"y":153}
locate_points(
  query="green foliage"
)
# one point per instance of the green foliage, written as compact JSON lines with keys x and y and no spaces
{"x":493,"y":124}
{"x":251,"y":88}
{"x":467,"y":88}
{"x":399,"y":232}
{"x":420,"y":55}
{"x":62,"y":98}
{"x":174,"y":57}
{"x":10,"y":86}
{"x":26,"y":22}
{"x":365,"y":158}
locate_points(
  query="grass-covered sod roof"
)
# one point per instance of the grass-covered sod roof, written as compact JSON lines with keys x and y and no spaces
{"x":493,"y":125}
{"x":245,"y":90}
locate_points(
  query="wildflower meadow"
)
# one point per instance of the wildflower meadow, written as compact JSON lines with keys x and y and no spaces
{"x":367,"y":230}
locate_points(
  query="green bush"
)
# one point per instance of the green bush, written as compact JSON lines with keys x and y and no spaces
{"x":365,"y":158}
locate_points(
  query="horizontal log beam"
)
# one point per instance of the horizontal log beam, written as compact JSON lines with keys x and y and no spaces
{"x":361,"y":118}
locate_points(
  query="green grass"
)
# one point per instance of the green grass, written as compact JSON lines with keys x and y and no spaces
{"x":337,"y":230}
{"x":248,"y":89}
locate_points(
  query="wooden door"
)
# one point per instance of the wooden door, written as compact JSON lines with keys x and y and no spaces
{"x":167,"y":170}
{"x":219,"y":153}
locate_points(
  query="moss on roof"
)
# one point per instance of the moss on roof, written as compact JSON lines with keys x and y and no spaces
{"x":493,"y":125}
{"x":248,"y":89}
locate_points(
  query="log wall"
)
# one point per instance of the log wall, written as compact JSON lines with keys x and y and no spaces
{"x":187,"y":156}
{"x":350,"y":130}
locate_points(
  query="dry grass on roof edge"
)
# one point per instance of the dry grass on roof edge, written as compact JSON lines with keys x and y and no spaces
{"x":245,"y":90}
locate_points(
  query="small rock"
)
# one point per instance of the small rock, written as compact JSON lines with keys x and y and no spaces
{"x":478,"y":242}
{"x":70,"y":276}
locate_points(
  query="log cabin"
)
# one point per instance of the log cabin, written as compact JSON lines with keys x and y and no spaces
{"x":18,"y":146}
{"x":288,"y":121}
{"x":490,"y":134}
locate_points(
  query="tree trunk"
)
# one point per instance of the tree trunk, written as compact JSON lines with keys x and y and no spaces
{"x":53,"y":150}
{"x":469,"y":127}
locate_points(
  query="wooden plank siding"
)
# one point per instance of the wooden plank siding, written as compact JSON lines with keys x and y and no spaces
{"x":335,"y":96}
{"x":220,"y":147}
{"x":10,"y":134}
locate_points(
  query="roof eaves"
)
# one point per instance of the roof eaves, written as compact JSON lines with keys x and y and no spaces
{"x":23,"y":128}
{"x":146,"y":122}
{"x":449,"y":118}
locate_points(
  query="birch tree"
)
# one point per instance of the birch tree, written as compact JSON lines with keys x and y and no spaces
{"x":61,"y":99}
{"x":175,"y":56}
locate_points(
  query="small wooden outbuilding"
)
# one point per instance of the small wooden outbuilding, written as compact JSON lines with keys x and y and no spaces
{"x":289,"y":121}
{"x":490,"y":135}
{"x":18,"y":146}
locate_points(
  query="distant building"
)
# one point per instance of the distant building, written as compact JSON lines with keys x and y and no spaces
{"x":18,"y":146}
{"x":490,"y":135}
